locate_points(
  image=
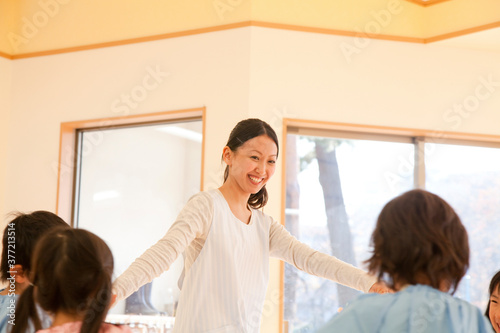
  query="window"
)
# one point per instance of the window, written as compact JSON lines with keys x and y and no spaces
{"x":131,"y":180}
{"x":468,"y":177}
{"x":337,"y":182}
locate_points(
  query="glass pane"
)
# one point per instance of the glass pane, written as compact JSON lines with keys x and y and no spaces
{"x":133,"y":183}
{"x":469,"y":178}
{"x":357,"y":178}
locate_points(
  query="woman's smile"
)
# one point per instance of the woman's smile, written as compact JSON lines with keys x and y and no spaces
{"x":256,"y":180}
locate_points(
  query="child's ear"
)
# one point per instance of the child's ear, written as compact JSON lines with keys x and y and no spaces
{"x":19,"y":274}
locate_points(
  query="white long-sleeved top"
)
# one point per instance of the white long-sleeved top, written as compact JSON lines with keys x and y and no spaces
{"x":226,"y":265}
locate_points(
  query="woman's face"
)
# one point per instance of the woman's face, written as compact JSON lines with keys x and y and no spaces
{"x":252,"y":164}
{"x":494,"y":313}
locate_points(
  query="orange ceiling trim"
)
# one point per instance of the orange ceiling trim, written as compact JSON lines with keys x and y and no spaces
{"x":426,"y":3}
{"x":262,"y":24}
{"x":5,"y":55}
{"x":335,"y":32}
{"x":133,"y":40}
{"x":213,"y":29}
{"x":463,"y":32}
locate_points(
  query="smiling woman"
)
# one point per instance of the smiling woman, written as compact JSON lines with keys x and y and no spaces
{"x":224,"y":285}
{"x":250,"y":155}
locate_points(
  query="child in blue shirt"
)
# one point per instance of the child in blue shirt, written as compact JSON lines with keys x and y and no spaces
{"x":18,"y":242}
{"x":421,"y":247}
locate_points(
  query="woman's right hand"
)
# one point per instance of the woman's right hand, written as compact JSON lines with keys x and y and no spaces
{"x":113,"y":301}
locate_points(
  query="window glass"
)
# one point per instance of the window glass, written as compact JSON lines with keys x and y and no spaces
{"x":132,"y":183}
{"x":335,"y":190}
{"x":468,"y":178}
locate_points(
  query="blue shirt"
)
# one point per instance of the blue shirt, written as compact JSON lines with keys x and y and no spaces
{"x":7,"y":311}
{"x":8,"y":304}
{"x":416,"y":309}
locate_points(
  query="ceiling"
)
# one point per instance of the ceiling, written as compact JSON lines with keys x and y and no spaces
{"x":32,"y":28}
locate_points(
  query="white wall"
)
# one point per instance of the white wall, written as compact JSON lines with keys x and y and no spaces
{"x":387,"y":83}
{"x":5,"y":110}
{"x":239,"y":73}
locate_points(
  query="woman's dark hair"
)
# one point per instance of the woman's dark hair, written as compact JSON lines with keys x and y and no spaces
{"x":494,"y":285}
{"x":71,"y":272}
{"x":23,"y":232}
{"x":418,"y":237}
{"x":243,"y":131}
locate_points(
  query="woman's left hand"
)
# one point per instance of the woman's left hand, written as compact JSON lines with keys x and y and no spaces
{"x":380,"y":288}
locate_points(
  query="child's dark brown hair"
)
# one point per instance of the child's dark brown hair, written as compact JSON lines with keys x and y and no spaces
{"x":494,"y":286}
{"x":71,"y":273}
{"x":419,"y":237}
{"x":21,"y":235}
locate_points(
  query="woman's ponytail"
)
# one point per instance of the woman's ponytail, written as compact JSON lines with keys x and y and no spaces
{"x":259,"y":199}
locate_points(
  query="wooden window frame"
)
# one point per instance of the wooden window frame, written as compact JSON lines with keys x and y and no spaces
{"x":357,"y":131}
{"x":68,"y":157}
